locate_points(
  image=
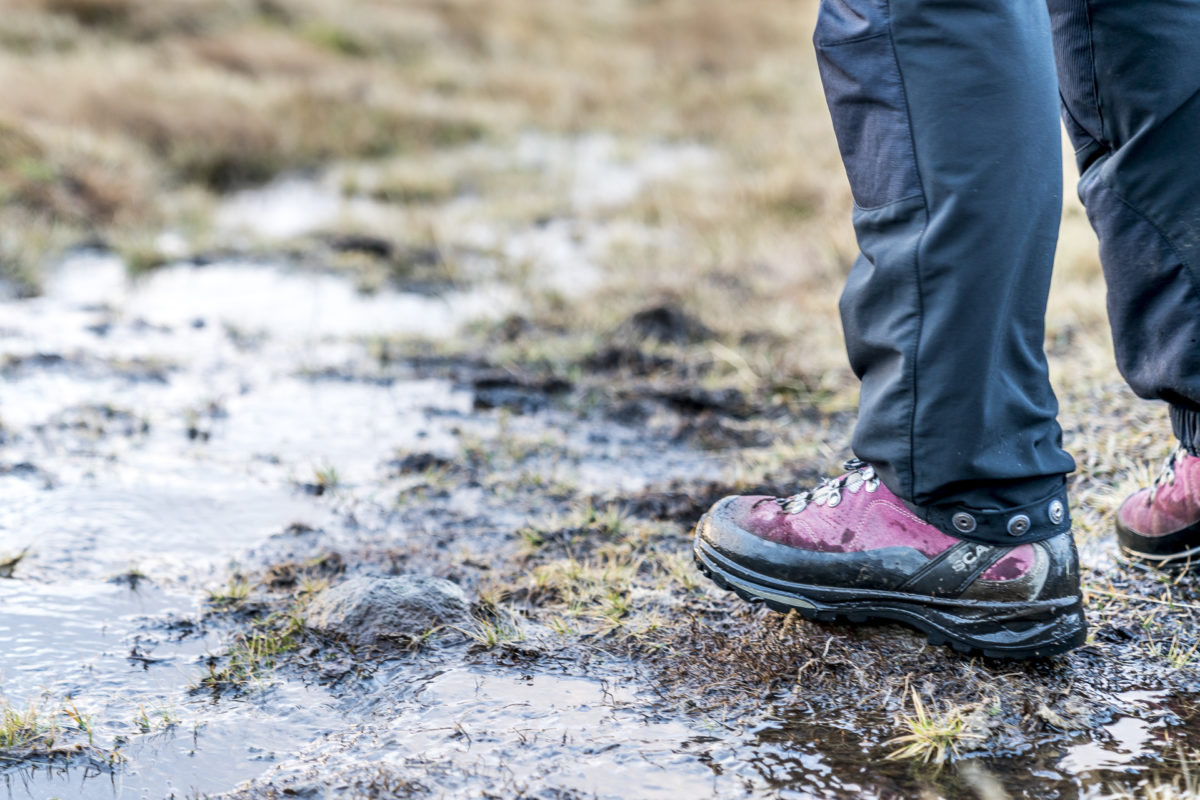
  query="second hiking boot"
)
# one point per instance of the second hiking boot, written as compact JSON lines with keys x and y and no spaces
{"x":1162,"y":523}
{"x":852,"y":550}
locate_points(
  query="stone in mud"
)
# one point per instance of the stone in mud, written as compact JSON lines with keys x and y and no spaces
{"x":516,"y":393}
{"x":698,"y":400}
{"x":666,"y":323}
{"x":710,"y":432}
{"x":366,"y":610}
{"x":416,"y":463}
{"x":359,"y":243}
{"x":633,"y":360}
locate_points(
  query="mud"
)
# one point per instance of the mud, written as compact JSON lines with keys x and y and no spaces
{"x":186,"y":459}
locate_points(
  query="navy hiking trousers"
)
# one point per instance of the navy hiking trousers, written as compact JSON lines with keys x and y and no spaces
{"x":947,"y":118}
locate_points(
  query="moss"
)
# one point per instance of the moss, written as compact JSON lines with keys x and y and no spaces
{"x":335,"y":39}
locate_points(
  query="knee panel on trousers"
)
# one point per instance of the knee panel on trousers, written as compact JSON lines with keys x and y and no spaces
{"x":866,"y":100}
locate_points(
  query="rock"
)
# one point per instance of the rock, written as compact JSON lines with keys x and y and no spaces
{"x":516,"y":393}
{"x":360,"y":243}
{"x":416,"y":463}
{"x":365,"y":610}
{"x":710,"y":432}
{"x":666,"y":323}
{"x":697,"y":400}
{"x":628,"y":359}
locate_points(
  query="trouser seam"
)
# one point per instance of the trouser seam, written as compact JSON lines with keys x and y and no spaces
{"x":1095,"y":79}
{"x":916,"y":346}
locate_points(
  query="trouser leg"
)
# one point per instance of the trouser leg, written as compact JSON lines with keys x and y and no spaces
{"x":947,"y":119}
{"x":1129,"y":74}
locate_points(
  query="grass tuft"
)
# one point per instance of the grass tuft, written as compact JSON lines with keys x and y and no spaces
{"x":25,"y":728}
{"x":252,"y":655}
{"x":933,"y":736}
{"x":8,"y":564}
{"x":40,"y":732}
{"x":497,"y":628}
{"x":1181,"y":783}
{"x":236,"y":591}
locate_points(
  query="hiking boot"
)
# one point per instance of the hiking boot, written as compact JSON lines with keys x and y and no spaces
{"x":852,"y":550}
{"x":1162,"y":523}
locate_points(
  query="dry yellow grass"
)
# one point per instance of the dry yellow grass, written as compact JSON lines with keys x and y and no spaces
{"x":124,"y":108}
{"x":121,"y":117}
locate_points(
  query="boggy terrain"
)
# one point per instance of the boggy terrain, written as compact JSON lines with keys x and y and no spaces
{"x":180,"y":492}
{"x":475,"y":306}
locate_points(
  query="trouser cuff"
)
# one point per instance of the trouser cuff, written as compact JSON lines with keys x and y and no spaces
{"x":1042,"y":519}
{"x":1186,"y":422}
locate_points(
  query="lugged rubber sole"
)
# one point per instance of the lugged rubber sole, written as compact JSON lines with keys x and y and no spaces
{"x":1180,"y":546}
{"x":1192,"y":554}
{"x":993,"y":630}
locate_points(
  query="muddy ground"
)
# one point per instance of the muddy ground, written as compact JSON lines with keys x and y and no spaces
{"x":502,"y":293}
{"x":189,"y":457}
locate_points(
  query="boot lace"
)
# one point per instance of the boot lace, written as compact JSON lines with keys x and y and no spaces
{"x":859,"y":476}
{"x":1167,"y":476}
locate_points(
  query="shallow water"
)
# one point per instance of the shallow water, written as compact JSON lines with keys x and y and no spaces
{"x":143,"y":436}
{"x":158,"y":434}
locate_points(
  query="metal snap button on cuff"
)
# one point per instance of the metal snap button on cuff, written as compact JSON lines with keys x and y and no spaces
{"x":1057,"y":511}
{"x":963,"y":522}
{"x":1018,"y":525}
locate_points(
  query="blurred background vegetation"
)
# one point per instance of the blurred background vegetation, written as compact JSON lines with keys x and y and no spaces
{"x":655,"y":181}
{"x":121,"y":116}
{"x":121,"y":119}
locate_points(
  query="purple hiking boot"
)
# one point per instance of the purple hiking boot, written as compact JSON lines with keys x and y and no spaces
{"x":1162,"y":523}
{"x":852,"y":550}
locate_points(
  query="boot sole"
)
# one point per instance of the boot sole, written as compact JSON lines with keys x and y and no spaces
{"x":1168,"y":549}
{"x":1159,"y":559}
{"x":1013,"y":631}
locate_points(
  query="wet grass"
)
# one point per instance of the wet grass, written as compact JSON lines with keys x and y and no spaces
{"x":712,"y":328}
{"x":933,"y":735}
{"x":199,"y":98}
{"x":612,"y":577}
{"x":263,"y":617}
{"x":9,"y":563}
{"x":150,"y":720}
{"x":51,"y":732}
{"x":494,"y":627}
{"x":326,"y":479}
{"x":233,"y":594}
{"x":1181,"y":782}
{"x":253,"y":652}
{"x":23,"y":728}
{"x":591,"y":580}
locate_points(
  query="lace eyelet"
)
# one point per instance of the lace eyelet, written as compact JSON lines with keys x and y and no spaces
{"x":829,"y":492}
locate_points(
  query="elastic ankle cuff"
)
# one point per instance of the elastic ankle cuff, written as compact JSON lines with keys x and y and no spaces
{"x":1042,"y":519}
{"x":1186,"y":422}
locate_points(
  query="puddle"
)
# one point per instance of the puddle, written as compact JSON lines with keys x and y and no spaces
{"x":603,"y":173}
{"x":472,"y":728}
{"x":1129,"y":737}
{"x":101,"y":649}
{"x":594,"y":173}
{"x":105,"y":379}
{"x":298,"y":305}
{"x":157,"y":435}
{"x":158,"y":432}
{"x":284,"y":208}
{"x":98,"y":529}
{"x":203,"y":752}
{"x":518,"y":724}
